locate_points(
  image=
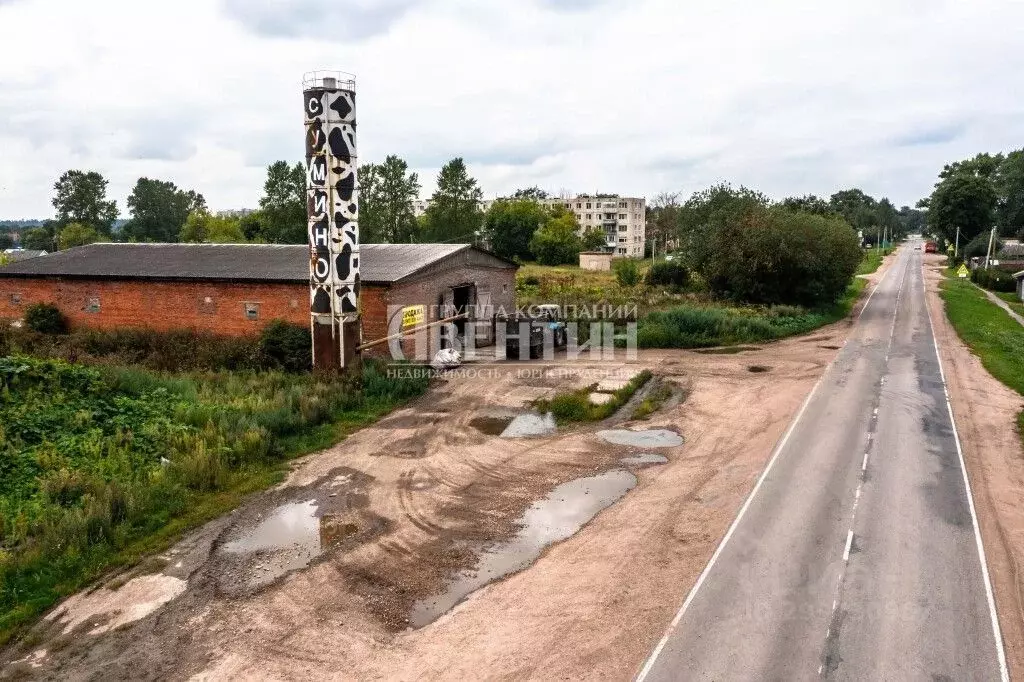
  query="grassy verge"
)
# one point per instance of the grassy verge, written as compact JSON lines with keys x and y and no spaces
{"x":100,"y":466}
{"x":872,"y":260}
{"x":995,"y":337}
{"x":575,"y":406}
{"x":691,"y":326}
{"x":1016,"y":305}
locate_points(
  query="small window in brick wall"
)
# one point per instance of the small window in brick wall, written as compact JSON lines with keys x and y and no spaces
{"x":252,"y":311}
{"x":207,"y":306}
{"x":92,"y":304}
{"x":15,"y":299}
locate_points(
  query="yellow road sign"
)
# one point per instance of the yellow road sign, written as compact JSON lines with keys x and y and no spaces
{"x":413,"y":315}
{"x":962,"y":271}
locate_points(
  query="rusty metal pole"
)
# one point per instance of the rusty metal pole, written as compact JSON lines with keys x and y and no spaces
{"x":332,"y":209}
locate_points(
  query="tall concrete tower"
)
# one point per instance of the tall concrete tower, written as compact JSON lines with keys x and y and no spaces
{"x":332,"y":208}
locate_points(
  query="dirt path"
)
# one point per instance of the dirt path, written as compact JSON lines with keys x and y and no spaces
{"x":412,"y":501}
{"x":986,"y":418}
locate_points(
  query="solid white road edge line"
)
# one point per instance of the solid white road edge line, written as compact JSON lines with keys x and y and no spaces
{"x":649,"y":663}
{"x":996,"y":631}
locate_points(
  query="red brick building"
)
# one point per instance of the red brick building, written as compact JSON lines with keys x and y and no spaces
{"x":237,"y":288}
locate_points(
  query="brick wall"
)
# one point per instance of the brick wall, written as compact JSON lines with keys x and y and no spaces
{"x":213,"y":306}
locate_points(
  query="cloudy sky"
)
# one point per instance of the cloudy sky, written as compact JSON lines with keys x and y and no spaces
{"x":629,"y":96}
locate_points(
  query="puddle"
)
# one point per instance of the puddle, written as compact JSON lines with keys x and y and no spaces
{"x":492,"y":426}
{"x":293,"y":527}
{"x":652,"y":438}
{"x":529,"y":425}
{"x":644,"y":459}
{"x":729,"y":350}
{"x":757,"y":369}
{"x":294,"y":534}
{"x":558,"y":516}
{"x":830,"y":347}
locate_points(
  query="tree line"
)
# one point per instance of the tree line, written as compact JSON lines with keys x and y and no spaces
{"x":973,"y":196}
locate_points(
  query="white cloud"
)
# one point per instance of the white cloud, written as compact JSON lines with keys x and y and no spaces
{"x":790,"y":97}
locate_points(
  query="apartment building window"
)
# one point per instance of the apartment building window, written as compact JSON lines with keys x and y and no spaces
{"x":568,"y":205}
{"x":579,"y":205}
{"x":622,"y":252}
{"x":588,"y":216}
{"x":622,"y":228}
{"x":622,"y":216}
{"x":579,"y":217}
{"x":622,"y":204}
{"x":588,"y":205}
{"x":622,"y":240}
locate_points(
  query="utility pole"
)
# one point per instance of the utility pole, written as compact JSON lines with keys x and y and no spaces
{"x":956,"y":248}
{"x":988,"y":253}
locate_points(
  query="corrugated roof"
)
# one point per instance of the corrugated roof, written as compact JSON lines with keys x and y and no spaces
{"x":16,"y":255}
{"x":380,"y":263}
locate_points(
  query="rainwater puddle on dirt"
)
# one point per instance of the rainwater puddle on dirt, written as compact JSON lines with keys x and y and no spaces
{"x":491,"y":426}
{"x":758,"y":369}
{"x":530,"y":425}
{"x":558,"y":516}
{"x":652,"y":438}
{"x":644,"y":459}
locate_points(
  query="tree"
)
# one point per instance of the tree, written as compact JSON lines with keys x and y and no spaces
{"x":159,"y":210}
{"x":912,"y":221}
{"x":662,"y":219}
{"x":509,"y":226}
{"x":859,"y":209}
{"x":776,"y":255}
{"x":283,"y":205}
{"x":38,"y":238}
{"x":6,"y":241}
{"x":981,"y":166}
{"x":535,"y":193}
{"x":81,"y":197}
{"x":386,"y":194}
{"x":810,"y":204}
{"x":252,"y":226}
{"x":201,"y":227}
{"x":593,"y":239}
{"x":705,"y":213}
{"x":966,"y":200}
{"x":557,"y":242}
{"x":76,"y":234}
{"x":454,"y":214}
{"x":1009,"y":184}
{"x":627,"y":272}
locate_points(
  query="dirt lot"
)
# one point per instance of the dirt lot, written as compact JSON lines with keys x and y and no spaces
{"x":986,"y":418}
{"x":410,"y":503}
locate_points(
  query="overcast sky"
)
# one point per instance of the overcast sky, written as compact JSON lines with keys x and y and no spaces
{"x":629,"y":96}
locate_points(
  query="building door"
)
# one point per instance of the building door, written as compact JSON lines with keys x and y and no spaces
{"x":462,"y":297}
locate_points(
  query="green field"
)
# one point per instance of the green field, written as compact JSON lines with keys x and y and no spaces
{"x":100,"y":466}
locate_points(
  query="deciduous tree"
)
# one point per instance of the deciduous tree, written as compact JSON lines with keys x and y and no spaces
{"x":558,"y":241}
{"x":81,"y":197}
{"x":76,"y":234}
{"x":283,"y":205}
{"x":159,"y":210}
{"x":386,"y":194}
{"x":509,"y":226}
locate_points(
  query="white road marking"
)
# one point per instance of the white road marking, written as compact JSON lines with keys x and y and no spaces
{"x":649,"y":663}
{"x":1004,"y":674}
{"x":849,"y":543}
{"x":864,"y":466}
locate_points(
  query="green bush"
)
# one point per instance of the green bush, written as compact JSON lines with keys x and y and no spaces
{"x":45,"y":318}
{"x":287,"y":346}
{"x":627,"y":272}
{"x":994,"y":279}
{"x":668,"y":274}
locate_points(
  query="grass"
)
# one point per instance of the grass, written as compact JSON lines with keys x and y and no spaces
{"x":575,"y":406}
{"x":100,"y":466}
{"x":653,"y":401}
{"x":1011,"y":298}
{"x":995,"y":337}
{"x":705,"y":326}
{"x":872,"y":260}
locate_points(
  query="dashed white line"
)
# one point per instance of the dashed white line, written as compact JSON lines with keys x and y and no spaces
{"x":849,"y":543}
{"x":864,"y":466}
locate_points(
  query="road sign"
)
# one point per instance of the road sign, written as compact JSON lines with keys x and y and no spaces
{"x":962,"y":271}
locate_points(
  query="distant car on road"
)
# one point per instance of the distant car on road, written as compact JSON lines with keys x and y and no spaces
{"x":931,"y":247}
{"x":917,"y":248}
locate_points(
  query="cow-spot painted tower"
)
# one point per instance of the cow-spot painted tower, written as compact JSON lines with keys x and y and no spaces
{"x":332,"y":208}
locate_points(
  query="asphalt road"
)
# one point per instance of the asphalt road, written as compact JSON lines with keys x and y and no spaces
{"x":856,"y":557}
